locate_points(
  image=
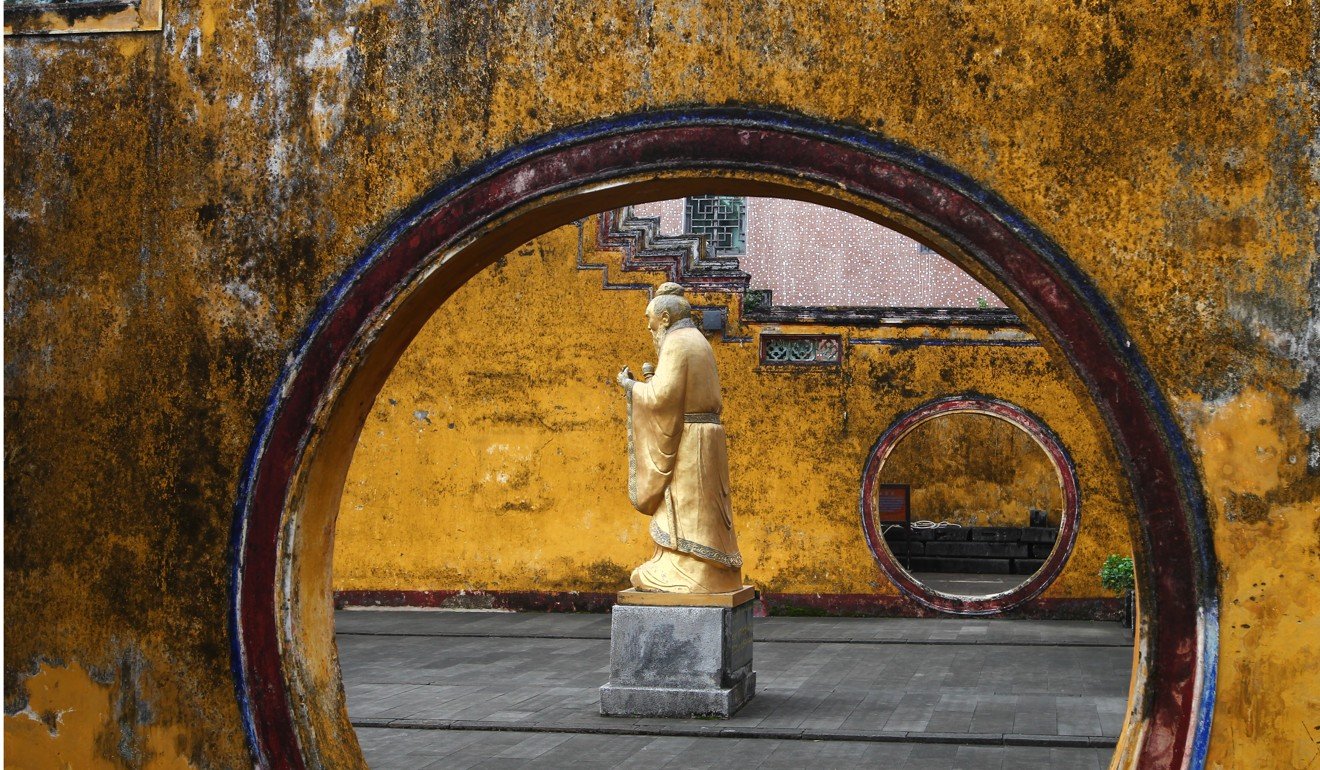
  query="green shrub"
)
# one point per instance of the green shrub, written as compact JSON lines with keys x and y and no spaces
{"x":1116,"y":574}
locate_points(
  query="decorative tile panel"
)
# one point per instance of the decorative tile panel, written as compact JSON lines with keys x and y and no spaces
{"x":800,"y":349}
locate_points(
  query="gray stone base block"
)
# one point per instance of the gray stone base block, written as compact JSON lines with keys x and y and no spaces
{"x":673,"y":702}
{"x":679,"y":661}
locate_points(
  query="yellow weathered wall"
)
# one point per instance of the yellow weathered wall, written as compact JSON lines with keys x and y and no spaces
{"x":495,"y":456}
{"x":176,"y":203}
{"x":980,"y":471}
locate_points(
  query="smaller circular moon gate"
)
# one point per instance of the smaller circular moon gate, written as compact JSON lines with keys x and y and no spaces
{"x":1068,"y":521}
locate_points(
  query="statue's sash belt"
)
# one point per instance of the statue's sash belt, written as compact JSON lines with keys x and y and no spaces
{"x":711,"y":418}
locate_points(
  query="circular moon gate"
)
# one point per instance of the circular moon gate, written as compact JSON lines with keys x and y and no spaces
{"x":286,"y":670}
{"x":1068,"y":521}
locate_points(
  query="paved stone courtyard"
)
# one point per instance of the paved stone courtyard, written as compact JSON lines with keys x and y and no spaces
{"x":439,"y":689}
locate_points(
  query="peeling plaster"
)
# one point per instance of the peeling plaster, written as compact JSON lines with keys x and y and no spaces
{"x":1170,"y":150}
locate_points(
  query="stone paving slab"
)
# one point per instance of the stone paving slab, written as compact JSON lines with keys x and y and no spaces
{"x":783,"y":629}
{"x":443,"y":673}
{"x":402,"y":749}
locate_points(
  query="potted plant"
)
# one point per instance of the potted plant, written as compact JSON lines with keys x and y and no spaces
{"x":1116,"y":574}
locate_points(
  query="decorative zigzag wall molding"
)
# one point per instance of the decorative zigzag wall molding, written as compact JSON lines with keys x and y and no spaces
{"x":689,"y":260}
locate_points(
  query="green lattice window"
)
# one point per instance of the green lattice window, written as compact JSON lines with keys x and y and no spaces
{"x":722,"y":219}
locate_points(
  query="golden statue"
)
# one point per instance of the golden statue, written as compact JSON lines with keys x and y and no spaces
{"x":678,"y":463}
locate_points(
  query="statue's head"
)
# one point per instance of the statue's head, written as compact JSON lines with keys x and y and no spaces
{"x":667,"y":308}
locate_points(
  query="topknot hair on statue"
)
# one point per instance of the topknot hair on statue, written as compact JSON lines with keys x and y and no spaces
{"x":669,"y":296}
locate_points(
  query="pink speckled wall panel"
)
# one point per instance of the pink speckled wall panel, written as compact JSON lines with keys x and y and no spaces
{"x":810,"y":255}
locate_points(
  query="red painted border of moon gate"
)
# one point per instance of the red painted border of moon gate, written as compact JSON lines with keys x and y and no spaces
{"x":1068,"y":520}
{"x":1179,"y":574}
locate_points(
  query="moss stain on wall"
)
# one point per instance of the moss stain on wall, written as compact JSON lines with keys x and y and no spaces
{"x":175,"y":204}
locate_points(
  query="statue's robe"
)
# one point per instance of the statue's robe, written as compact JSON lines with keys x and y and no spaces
{"x":678,"y":463}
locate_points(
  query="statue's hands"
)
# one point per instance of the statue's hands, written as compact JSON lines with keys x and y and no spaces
{"x":624,"y":377}
{"x":648,"y":370}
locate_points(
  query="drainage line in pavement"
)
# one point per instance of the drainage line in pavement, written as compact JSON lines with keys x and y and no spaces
{"x":680,"y":731}
{"x":759,"y":640}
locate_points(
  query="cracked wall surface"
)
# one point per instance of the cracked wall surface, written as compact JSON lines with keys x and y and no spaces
{"x":176,"y":204}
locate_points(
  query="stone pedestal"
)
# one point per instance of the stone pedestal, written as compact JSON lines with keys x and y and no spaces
{"x":680,"y":655}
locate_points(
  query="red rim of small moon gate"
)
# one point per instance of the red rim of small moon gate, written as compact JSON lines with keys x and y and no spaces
{"x":1069,"y":520}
